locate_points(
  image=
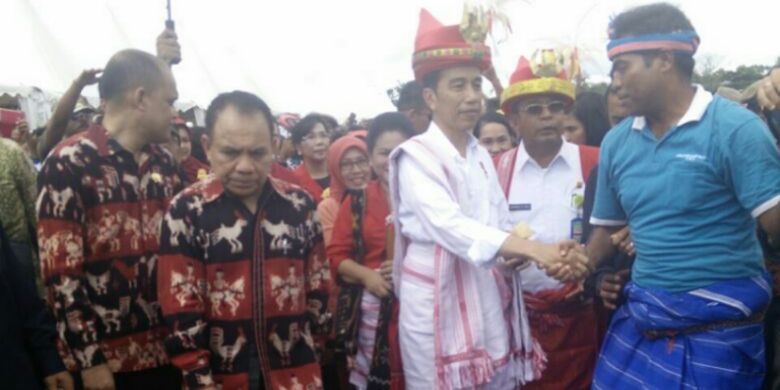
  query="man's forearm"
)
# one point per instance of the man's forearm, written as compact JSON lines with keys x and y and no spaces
{"x":770,"y":222}
{"x":600,"y":246}
{"x":58,"y":122}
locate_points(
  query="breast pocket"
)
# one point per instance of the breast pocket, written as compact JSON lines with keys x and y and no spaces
{"x":690,"y":185}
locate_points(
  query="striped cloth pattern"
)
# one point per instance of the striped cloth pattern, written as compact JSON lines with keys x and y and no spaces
{"x":369,"y":318}
{"x":727,"y":358}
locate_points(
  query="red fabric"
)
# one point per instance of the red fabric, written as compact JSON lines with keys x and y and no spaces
{"x":192,"y":167}
{"x":569,"y":336}
{"x":431,"y":34}
{"x":375,"y":237}
{"x":284,"y":174}
{"x":99,"y":236}
{"x":505,"y":165}
{"x":335,"y":154}
{"x":524,"y":72}
{"x":227,"y":277}
{"x":374,"y":229}
{"x":307,"y":183}
{"x":568,"y":330}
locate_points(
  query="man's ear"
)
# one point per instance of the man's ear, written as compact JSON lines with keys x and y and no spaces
{"x":514,"y":121}
{"x":137,"y":97}
{"x":429,"y":95}
{"x":665,"y":61}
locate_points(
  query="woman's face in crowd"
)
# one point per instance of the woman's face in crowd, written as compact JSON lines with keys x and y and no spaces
{"x":355,"y":169}
{"x":496,"y":138}
{"x":573,"y":130}
{"x":185,"y":144}
{"x":314,"y":146}
{"x":380,"y":156}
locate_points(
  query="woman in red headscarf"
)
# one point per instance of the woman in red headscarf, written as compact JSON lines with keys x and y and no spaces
{"x":348,"y":168}
{"x":361,"y":253}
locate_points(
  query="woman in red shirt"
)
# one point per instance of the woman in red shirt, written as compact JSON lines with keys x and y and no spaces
{"x":311,"y":139}
{"x":361,"y":254}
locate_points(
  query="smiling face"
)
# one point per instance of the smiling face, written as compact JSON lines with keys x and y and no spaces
{"x":456,"y":102}
{"x":355,"y":169}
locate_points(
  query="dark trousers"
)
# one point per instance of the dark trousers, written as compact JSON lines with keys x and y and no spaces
{"x":163,"y":378}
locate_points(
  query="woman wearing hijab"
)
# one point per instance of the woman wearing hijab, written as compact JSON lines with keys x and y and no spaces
{"x":361,"y":252}
{"x":348,"y":169}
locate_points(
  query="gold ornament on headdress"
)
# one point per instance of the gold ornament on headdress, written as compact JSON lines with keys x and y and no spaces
{"x":546,"y":63}
{"x":475,"y":25}
{"x":554,"y":62}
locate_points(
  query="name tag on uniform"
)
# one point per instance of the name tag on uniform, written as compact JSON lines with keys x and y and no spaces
{"x":520,"y":207}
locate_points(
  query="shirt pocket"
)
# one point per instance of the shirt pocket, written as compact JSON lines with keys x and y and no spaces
{"x":689,"y":184}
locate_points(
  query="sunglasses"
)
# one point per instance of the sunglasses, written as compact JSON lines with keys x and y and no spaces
{"x":537,"y":109}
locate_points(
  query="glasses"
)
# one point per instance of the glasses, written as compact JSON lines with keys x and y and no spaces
{"x":316,"y":136}
{"x":554,"y":108}
{"x":356,"y":164}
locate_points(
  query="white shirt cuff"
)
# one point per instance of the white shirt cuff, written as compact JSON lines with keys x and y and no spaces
{"x":606,"y":222}
{"x":766,"y":206}
{"x":483,"y":252}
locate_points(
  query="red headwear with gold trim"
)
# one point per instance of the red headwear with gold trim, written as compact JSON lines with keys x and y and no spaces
{"x":440,"y":47}
{"x":548,"y":72}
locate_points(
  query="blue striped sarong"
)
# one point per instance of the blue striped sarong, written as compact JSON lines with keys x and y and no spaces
{"x":730,"y":358}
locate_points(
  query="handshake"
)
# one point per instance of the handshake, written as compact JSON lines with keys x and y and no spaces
{"x":565,"y":261}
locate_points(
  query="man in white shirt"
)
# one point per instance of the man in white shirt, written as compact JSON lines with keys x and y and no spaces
{"x":462,"y":322}
{"x":544,"y":181}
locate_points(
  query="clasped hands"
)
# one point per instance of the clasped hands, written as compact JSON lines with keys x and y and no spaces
{"x":565,"y":261}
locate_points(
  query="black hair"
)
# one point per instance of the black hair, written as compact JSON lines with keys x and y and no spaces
{"x":244,"y":102}
{"x":388,"y":122}
{"x":493,"y":117}
{"x":590,"y":108}
{"x":175,"y":134}
{"x":305,"y":126}
{"x":654,"y":19}
{"x":129,"y":69}
{"x":411,"y":97}
{"x":431,"y":80}
{"x":329,"y":122}
{"x":197,"y":147}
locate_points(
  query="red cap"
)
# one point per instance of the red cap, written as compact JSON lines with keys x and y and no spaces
{"x":438,"y":47}
{"x":547,"y":74}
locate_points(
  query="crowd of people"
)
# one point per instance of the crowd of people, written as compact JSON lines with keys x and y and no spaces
{"x":563,"y":239}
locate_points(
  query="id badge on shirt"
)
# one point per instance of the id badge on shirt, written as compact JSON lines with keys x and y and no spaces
{"x":577,"y":201}
{"x":520,"y":207}
{"x":576,"y":229}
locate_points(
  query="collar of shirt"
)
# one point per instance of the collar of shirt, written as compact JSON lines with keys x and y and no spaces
{"x":568,"y":154}
{"x":211,"y":187}
{"x":107,"y":146}
{"x":701,"y":100}
{"x":437,"y":135}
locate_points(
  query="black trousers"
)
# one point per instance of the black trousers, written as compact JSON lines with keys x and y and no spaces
{"x":163,"y":378}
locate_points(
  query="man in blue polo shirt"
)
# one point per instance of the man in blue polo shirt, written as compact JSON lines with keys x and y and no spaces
{"x":690,"y":174}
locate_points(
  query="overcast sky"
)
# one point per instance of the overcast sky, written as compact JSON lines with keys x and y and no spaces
{"x":334,"y":56}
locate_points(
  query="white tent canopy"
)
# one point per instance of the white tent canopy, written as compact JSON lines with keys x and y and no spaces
{"x":335,"y":56}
